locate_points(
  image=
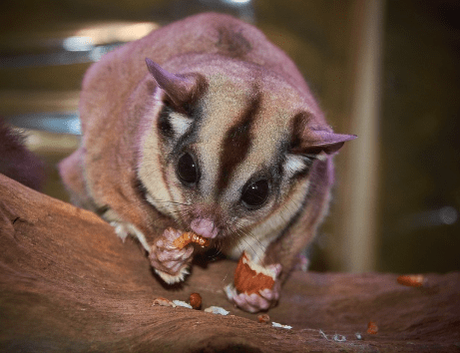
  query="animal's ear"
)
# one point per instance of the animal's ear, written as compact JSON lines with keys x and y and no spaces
{"x":314,"y":141}
{"x":319,"y":141}
{"x":306,"y":146}
{"x":180,"y":89}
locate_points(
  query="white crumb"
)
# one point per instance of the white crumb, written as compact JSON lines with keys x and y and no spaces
{"x":275,"y":324}
{"x":182,"y":303}
{"x":217,"y":310}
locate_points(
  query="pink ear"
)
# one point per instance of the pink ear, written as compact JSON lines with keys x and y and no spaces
{"x":310,"y":137}
{"x":328,"y":141}
{"x":179,"y":88}
{"x":318,"y":141}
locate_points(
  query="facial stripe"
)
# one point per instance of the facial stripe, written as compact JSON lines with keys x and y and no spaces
{"x":298,"y":126}
{"x":164,"y":124}
{"x":191,"y":134}
{"x":237,"y":143}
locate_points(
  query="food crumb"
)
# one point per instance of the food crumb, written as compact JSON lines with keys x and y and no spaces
{"x":372,"y":328}
{"x":216,"y":310}
{"x":163,"y":302}
{"x":263,"y":318}
{"x":182,"y":303}
{"x":275,"y":324}
{"x":195,"y":300}
{"x":411,"y":280}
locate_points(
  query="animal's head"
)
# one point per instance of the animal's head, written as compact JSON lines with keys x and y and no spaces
{"x":229,"y":144}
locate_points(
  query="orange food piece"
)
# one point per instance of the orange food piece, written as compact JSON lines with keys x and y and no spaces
{"x":263,"y":318}
{"x":251,"y":278}
{"x":411,"y":280}
{"x":372,"y":328}
{"x":163,"y":302}
{"x":195,"y":300}
{"x":190,"y":237}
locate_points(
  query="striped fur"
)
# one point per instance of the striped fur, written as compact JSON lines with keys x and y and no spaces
{"x":216,"y":93}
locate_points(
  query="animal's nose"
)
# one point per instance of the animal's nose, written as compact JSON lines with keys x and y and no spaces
{"x":204,"y":227}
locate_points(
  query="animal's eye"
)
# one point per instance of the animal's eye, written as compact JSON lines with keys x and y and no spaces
{"x":187,"y":169}
{"x":255,"y":194}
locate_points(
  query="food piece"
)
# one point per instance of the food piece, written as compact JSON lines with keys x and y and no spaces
{"x":182,"y":304}
{"x":251,"y":278}
{"x":263,"y":318}
{"x":216,"y":310}
{"x":372,"y":328}
{"x":163,"y":302}
{"x":287,"y":327}
{"x":411,"y":280}
{"x":190,"y":237}
{"x":195,"y":300}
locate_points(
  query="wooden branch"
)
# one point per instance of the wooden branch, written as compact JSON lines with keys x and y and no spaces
{"x":67,"y":283}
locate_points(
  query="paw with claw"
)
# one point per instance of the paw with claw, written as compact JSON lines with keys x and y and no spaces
{"x":170,"y":262}
{"x":264,"y":299}
{"x":256,"y":287}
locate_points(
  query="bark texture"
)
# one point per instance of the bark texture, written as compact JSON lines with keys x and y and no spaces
{"x":67,"y":283}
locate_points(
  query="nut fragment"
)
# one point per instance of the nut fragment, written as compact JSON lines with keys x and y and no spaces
{"x":372,"y":328}
{"x":251,"y":278}
{"x":263,"y":318}
{"x":195,"y":300}
{"x":163,"y":302}
{"x":411,"y":280}
{"x":190,"y":237}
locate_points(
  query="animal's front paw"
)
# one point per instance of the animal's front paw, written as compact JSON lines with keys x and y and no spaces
{"x":262,"y":300}
{"x":170,"y":262}
{"x":256,"y":287}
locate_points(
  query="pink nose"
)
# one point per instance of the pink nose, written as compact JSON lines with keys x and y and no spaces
{"x":204,"y":227}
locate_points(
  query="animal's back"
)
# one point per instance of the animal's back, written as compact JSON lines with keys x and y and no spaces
{"x":209,"y":33}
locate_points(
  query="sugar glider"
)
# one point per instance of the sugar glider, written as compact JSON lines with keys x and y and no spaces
{"x":205,"y":126}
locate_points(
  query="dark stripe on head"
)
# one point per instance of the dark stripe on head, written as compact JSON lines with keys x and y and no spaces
{"x":164,"y":124}
{"x":191,"y":136}
{"x":237,"y":143}
{"x":299,"y":122}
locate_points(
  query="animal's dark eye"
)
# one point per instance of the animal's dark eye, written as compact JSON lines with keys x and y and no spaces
{"x":255,"y":194}
{"x":187,"y":169}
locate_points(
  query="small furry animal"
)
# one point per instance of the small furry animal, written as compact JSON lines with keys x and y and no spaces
{"x":205,"y":126}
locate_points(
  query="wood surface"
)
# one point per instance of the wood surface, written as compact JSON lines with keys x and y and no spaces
{"x":67,"y":283}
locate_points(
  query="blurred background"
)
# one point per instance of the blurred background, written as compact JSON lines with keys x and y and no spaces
{"x":387,"y":71}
